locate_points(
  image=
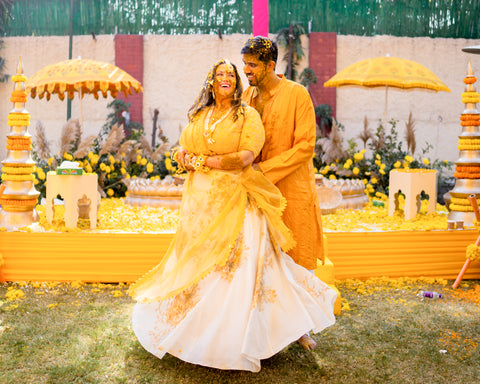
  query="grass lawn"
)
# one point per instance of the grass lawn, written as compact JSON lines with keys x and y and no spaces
{"x":81,"y":333}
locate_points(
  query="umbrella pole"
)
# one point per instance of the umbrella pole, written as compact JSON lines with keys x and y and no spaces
{"x":81,"y":111}
{"x":385,"y":112}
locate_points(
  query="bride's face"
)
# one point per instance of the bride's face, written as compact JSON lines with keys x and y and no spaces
{"x":225,"y":81}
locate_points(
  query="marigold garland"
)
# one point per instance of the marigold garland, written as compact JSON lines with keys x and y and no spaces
{"x":19,"y":140}
{"x":18,"y":203}
{"x":466,"y":175}
{"x":19,"y":116}
{"x":18,"y":123}
{"x":18,"y":97}
{"x":461,"y":208}
{"x":469,"y":79}
{"x":6,"y":177}
{"x":473,"y":252}
{"x":19,"y":143}
{"x":460,"y":201}
{"x":467,"y":168}
{"x":19,"y":78}
{"x":468,"y":147}
{"x":470,"y":100}
{"x":18,"y":170}
{"x":469,"y":140}
{"x":470,"y":94}
{"x":470,"y":116}
{"x":19,"y":147}
{"x":470,"y":123}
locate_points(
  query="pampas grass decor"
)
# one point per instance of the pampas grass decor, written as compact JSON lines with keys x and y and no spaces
{"x":146,"y":147}
{"x":160,"y":151}
{"x":410,"y":134}
{"x":113,"y":140}
{"x":84,"y":147}
{"x":366,"y":134}
{"x":42,"y":147}
{"x":124,"y":152}
{"x":70,"y":136}
{"x":332,"y":146}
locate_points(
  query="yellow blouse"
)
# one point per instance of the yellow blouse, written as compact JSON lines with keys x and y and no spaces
{"x":213,"y":208}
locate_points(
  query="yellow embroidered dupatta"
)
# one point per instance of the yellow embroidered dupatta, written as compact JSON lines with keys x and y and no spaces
{"x":213,"y":209}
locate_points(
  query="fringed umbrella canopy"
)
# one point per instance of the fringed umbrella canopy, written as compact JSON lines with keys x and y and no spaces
{"x":81,"y":76}
{"x":387,"y":71}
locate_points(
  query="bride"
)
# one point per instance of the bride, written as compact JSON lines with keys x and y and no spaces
{"x":226,"y":295}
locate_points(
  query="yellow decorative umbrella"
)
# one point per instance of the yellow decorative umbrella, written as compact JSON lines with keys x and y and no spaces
{"x":82,"y":76}
{"x":386,"y":71}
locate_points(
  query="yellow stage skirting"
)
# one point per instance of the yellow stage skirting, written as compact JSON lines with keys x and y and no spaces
{"x":110,"y":257}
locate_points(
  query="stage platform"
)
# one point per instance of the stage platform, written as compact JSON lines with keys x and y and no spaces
{"x":123,"y":257}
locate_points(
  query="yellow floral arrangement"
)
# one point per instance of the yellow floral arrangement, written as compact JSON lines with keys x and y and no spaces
{"x":473,"y":252}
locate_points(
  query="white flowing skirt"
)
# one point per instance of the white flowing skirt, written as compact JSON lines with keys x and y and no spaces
{"x":255,"y":305}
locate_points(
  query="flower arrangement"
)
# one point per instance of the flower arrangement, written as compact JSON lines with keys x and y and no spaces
{"x":382,"y":153}
{"x":113,"y":155}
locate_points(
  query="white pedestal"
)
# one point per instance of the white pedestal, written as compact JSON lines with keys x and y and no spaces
{"x":412,"y":182}
{"x":72,"y":188}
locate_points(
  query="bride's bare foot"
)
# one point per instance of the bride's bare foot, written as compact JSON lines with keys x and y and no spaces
{"x":307,"y":342}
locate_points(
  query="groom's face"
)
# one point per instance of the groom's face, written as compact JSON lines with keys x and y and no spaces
{"x":254,"y":69}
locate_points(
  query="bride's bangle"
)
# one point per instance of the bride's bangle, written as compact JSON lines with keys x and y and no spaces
{"x":198,"y":164}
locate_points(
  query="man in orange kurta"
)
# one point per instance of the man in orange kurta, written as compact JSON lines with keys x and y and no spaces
{"x":286,"y":159}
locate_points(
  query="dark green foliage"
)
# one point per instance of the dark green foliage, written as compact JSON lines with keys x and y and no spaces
{"x":434,"y":18}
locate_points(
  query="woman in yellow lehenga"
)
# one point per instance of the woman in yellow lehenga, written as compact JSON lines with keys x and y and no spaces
{"x":226,"y":295}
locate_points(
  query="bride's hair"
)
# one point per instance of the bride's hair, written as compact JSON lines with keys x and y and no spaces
{"x":207,"y":97}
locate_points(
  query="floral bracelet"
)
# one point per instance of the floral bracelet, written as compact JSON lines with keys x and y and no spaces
{"x":198,"y":164}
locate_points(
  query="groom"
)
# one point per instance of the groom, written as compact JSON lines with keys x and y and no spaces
{"x":286,"y":159}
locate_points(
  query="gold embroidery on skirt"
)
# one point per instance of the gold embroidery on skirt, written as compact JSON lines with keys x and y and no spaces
{"x":263,"y":295}
{"x":180,"y":305}
{"x":234,"y":261}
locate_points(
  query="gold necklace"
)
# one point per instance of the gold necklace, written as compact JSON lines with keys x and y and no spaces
{"x":210,"y":129}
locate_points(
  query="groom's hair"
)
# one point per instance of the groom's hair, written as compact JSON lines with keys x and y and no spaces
{"x":265,"y":49}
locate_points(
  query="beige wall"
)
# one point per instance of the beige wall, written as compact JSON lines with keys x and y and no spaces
{"x":175,"y":68}
{"x":38,"y":52}
{"x":436,"y":114}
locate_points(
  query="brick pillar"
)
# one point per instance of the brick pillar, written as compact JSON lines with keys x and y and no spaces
{"x":129,"y":57}
{"x":323,"y":60}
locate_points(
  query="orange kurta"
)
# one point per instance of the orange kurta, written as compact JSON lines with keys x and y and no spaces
{"x":286,"y":160}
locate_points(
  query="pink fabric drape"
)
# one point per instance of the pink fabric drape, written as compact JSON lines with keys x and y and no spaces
{"x":260,"y":17}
